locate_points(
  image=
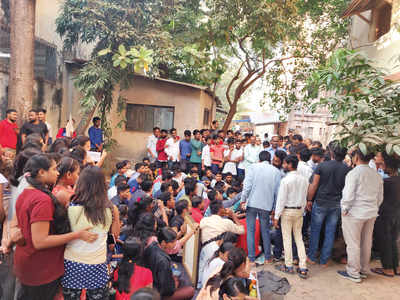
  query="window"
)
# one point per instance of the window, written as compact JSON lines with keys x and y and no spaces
{"x":382,"y":15}
{"x":141,"y":117}
{"x":45,"y":60}
{"x":206,"y":117}
{"x":310,"y":132}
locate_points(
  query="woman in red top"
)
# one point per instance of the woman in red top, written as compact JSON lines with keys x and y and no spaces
{"x":130,"y":277}
{"x":68,"y":173}
{"x":39,"y":260}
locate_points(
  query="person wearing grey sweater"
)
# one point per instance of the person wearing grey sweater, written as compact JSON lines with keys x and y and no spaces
{"x":362,"y":196}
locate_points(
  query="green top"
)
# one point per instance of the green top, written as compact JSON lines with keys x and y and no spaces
{"x":197,"y":146}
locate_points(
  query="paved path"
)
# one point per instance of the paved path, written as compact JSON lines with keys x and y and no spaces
{"x":325,"y":284}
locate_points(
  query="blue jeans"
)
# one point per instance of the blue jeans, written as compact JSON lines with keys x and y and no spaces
{"x":263,"y":216}
{"x":318,"y":215}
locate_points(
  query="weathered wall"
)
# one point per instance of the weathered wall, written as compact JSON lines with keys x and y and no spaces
{"x":188,"y":102}
{"x":58,"y":96}
{"x":384,"y":51}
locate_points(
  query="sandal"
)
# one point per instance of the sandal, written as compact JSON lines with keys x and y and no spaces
{"x":268,"y":262}
{"x":284,"y":269}
{"x":380,"y":271}
{"x":303,"y":273}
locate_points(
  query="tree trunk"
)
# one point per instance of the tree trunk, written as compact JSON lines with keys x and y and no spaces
{"x":22,"y":40}
{"x":231,"y":114}
{"x":85,"y":121}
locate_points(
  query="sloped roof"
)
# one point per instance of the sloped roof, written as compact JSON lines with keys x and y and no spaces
{"x":194,"y":86}
{"x":359,"y":6}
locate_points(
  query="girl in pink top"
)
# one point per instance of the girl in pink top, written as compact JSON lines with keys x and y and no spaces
{"x":68,"y":170}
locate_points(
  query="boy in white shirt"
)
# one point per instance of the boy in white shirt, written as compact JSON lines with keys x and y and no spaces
{"x":206,"y":155}
{"x":231,"y":157}
{"x":172,"y":148}
{"x":290,"y":204}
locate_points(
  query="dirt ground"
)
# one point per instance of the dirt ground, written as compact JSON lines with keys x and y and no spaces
{"x":326,"y":284}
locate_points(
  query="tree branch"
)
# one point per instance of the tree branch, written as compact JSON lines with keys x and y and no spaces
{"x":239,"y":90}
{"x":228,"y":98}
{"x":264,"y":68}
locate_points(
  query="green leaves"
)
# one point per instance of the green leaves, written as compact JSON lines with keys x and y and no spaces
{"x":365,"y":105}
{"x":140,"y":59}
{"x":363,"y":148}
{"x":104,"y":52}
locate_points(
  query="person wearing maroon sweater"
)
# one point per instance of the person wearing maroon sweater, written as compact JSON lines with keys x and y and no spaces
{"x":9,"y":131}
{"x":45,"y":229}
{"x":162,"y":157}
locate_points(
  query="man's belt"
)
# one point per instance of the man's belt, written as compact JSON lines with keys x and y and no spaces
{"x":292,"y":207}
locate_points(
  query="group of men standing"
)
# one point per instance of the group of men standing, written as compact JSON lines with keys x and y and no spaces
{"x":11,"y":136}
{"x":334,"y":191}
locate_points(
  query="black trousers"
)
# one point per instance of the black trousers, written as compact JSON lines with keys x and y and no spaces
{"x":386,"y":234}
{"x":41,"y":292}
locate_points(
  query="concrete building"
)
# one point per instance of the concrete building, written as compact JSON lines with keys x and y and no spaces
{"x":375,"y":30}
{"x":150,"y":103}
{"x":312,"y":125}
{"x":53,"y":71}
{"x":163,"y":103}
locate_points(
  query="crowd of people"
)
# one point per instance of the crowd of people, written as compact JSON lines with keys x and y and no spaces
{"x":70,"y":231}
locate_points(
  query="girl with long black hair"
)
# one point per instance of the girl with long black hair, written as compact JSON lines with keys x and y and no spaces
{"x":237,"y":265}
{"x":232,"y":289}
{"x":129,"y":276}
{"x":38,"y":263}
{"x":216,"y":262}
{"x":85,"y":264}
{"x":159,"y":262}
{"x":142,"y":205}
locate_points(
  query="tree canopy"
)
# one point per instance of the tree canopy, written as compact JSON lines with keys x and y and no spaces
{"x":197,"y":41}
{"x":365,"y":106}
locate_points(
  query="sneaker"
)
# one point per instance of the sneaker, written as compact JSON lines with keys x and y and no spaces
{"x":363,"y":275}
{"x":347,"y":276}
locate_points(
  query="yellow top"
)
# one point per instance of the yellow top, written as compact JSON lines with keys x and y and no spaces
{"x":81,"y":251}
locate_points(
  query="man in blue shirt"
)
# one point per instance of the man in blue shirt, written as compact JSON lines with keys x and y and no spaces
{"x":185,"y":151}
{"x":260,"y":189}
{"x":96,"y":136}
